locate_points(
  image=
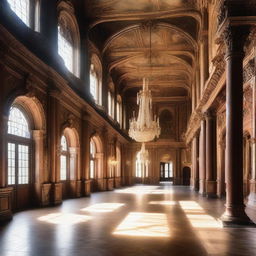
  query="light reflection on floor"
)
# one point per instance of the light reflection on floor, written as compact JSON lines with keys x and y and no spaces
{"x":197,"y":215}
{"x":64,"y":218}
{"x":168,"y":203}
{"x":144,"y":190}
{"x":144,"y":224}
{"x":168,"y":223}
{"x":103,"y":207}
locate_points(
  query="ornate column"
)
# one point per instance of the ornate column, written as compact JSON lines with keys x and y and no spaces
{"x":202,"y":157}
{"x":195,"y":148}
{"x":42,"y":187}
{"x":85,"y":155}
{"x":252,"y":195}
{"x":54,"y":145}
{"x":210,"y":155}
{"x":234,"y":38}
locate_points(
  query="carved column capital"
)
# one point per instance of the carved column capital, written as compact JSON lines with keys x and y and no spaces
{"x":234,"y":38}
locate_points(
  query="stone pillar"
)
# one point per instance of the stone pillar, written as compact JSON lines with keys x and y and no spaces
{"x":49,"y":24}
{"x":221,"y":180}
{"x":54,"y":145}
{"x":5,"y":192}
{"x":85,"y":155}
{"x":202,"y":158}
{"x":252,"y":195}
{"x":210,"y":155}
{"x":195,"y":148}
{"x":41,"y":196}
{"x":234,"y":38}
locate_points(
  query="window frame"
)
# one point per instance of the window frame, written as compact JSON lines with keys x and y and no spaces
{"x":65,"y":153}
{"x":23,"y":141}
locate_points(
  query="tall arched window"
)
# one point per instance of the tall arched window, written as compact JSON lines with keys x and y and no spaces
{"x":95,"y":79}
{"x":141,"y":168}
{"x":64,"y":158}
{"x":68,"y":37}
{"x":19,"y":143}
{"x":21,"y":9}
{"x":119,"y":110}
{"x":92,"y":159}
{"x":93,"y":83}
{"x":65,"y":45}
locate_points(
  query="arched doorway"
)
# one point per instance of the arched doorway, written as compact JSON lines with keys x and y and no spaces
{"x":186,"y":176}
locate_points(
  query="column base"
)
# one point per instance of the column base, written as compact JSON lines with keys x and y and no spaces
{"x":46,"y":194}
{"x":5,"y":204}
{"x":252,"y":196}
{"x":110,"y":184}
{"x":56,"y":193}
{"x":235,"y":216}
{"x":202,"y":188}
{"x":211,"y":189}
{"x":86,"y":187}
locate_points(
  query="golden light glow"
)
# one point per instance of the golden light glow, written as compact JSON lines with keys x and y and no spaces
{"x":197,"y":215}
{"x":167,"y":203}
{"x":144,"y":225}
{"x":102,"y":207}
{"x":64,"y":218}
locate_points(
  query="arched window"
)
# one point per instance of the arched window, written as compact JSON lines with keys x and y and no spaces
{"x":68,"y":37}
{"x":93,"y":83}
{"x":64,"y":157}
{"x":119,"y":110}
{"x":95,"y":79}
{"x":21,"y":9}
{"x":92,"y":159}
{"x":111,"y":104}
{"x":18,"y":148}
{"x":65,"y":46}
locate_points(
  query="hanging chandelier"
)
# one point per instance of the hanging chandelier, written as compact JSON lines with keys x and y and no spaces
{"x":145,"y":128}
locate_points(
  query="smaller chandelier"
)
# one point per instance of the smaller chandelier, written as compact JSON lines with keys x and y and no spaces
{"x":145,"y":128}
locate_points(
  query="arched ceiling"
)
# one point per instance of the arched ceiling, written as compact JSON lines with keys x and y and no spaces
{"x":147,"y":38}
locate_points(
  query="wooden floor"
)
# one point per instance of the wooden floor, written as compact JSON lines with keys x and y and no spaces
{"x":140,"y":220}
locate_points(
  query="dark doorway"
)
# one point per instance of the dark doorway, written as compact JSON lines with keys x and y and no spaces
{"x":186,"y":176}
{"x":166,"y":171}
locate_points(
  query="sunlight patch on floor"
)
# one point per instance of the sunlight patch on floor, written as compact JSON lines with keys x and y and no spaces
{"x":197,"y":215}
{"x":103,"y":207}
{"x":167,"y":203}
{"x":144,"y":225}
{"x":64,"y":218}
{"x":142,"y":190}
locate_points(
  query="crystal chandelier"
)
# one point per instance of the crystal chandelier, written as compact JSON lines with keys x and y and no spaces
{"x":145,"y":128}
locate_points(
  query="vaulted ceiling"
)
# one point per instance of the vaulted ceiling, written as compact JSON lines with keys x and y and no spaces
{"x":125,"y":31}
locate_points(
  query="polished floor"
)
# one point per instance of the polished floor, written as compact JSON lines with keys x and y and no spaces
{"x":139,"y":220}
